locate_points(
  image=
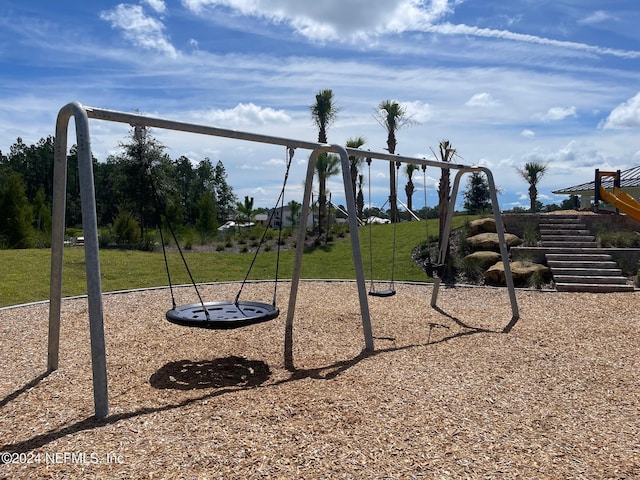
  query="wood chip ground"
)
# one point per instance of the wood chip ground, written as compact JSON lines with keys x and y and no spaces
{"x":445,"y":394}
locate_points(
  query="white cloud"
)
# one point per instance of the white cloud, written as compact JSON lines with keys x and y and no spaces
{"x":625,"y":115}
{"x":158,"y":5}
{"x":417,"y":111}
{"x":450,"y":29}
{"x":139,"y":28}
{"x":555,"y":114}
{"x":596,"y":17}
{"x":527,"y":133}
{"x":482,"y":100}
{"x":357,"y":19}
{"x":244,"y":115}
{"x":335,"y":19}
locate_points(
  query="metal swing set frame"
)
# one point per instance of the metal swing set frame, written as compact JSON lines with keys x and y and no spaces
{"x":81,"y":115}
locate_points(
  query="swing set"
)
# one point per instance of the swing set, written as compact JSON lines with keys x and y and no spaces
{"x":391,"y":287}
{"x":214,"y":314}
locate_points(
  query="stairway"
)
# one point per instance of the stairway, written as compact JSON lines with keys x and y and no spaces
{"x":575,"y":261}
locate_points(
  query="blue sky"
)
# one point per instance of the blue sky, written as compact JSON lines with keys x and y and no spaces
{"x":506,"y":82}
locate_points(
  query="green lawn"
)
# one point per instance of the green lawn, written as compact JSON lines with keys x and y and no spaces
{"x":24,"y":274}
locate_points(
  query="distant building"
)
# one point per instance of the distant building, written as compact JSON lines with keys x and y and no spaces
{"x":281,"y":215}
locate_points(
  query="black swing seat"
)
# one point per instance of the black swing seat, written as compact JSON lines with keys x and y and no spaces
{"x":222,"y":315}
{"x":382,"y":293}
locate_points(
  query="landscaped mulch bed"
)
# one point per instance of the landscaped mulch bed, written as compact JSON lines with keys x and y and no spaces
{"x":446,"y":394}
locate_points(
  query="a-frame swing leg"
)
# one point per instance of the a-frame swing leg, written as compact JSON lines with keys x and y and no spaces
{"x":355,"y":247}
{"x":499,"y":230}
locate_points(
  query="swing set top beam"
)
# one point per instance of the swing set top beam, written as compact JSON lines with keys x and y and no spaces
{"x":143,"y":120}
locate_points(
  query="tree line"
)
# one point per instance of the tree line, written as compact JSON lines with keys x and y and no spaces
{"x":141,"y":183}
{"x":133,"y":189}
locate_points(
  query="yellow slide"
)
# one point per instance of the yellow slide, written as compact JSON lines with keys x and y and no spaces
{"x":622,"y":201}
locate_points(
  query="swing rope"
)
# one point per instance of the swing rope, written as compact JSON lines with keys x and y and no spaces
{"x":160,"y":211}
{"x":290,"y":151}
{"x":395,"y":224}
{"x":372,"y":289}
{"x":427,"y":262}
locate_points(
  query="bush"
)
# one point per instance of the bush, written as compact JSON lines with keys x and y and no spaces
{"x":618,"y":239}
{"x":105,"y":238}
{"x":126,"y":229}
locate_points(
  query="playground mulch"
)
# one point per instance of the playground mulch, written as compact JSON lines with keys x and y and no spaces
{"x":446,"y":393}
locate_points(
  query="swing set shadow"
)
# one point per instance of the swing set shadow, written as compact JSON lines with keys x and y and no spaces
{"x":234,"y":313}
{"x":226,"y":375}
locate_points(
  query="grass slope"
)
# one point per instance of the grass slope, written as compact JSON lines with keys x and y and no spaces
{"x":25,"y":274}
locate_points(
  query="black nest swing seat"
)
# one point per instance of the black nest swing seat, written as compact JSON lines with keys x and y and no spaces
{"x":388,"y":292}
{"x":222,"y":315}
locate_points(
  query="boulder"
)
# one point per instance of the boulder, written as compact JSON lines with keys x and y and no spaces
{"x":482,"y":225}
{"x":483,"y":259}
{"x":522,"y":273}
{"x":489,"y":241}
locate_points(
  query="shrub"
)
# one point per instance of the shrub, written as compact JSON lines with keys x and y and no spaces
{"x":618,"y":239}
{"x":126,"y":229}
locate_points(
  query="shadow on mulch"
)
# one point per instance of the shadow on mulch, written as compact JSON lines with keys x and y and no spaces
{"x":218,"y":373}
{"x":225,"y":375}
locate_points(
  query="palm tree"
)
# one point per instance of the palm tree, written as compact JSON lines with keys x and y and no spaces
{"x":327,"y":165}
{"x":532,"y":172}
{"x":294,"y":211}
{"x":409,"y":188}
{"x":354,"y":162}
{"x":447,"y":153}
{"x":360,"y":197}
{"x":392,"y":116}
{"x":324,"y":112}
{"x":245,"y":210}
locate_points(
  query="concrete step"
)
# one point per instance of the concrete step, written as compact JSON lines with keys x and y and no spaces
{"x":567,"y":238}
{"x":575,"y":244}
{"x":555,"y":220}
{"x":581,"y":264}
{"x":591,"y":279}
{"x":593,"y":288}
{"x":562,"y":225}
{"x":584,"y":257}
{"x":565,"y":231}
{"x":614,"y":272}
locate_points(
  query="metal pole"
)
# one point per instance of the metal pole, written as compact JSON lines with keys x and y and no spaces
{"x":297,"y":264}
{"x":504,"y":253}
{"x":92,"y":258}
{"x":92,"y":262}
{"x":355,"y":247}
{"x":445,"y":238}
{"x":57,"y":234}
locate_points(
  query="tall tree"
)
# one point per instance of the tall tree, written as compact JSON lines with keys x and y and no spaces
{"x":355,"y":162}
{"x":225,"y":198}
{"x":207,"y":220}
{"x":532,"y":172}
{"x":16,"y":221}
{"x":477,"y":196}
{"x":446,"y":152}
{"x":409,"y":188}
{"x":392,"y":116}
{"x":323,"y":112}
{"x":327,"y":166}
{"x":185,"y":183}
{"x":245,"y":209}
{"x":360,"y":197}
{"x":142,"y":156}
{"x":294,"y":211}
